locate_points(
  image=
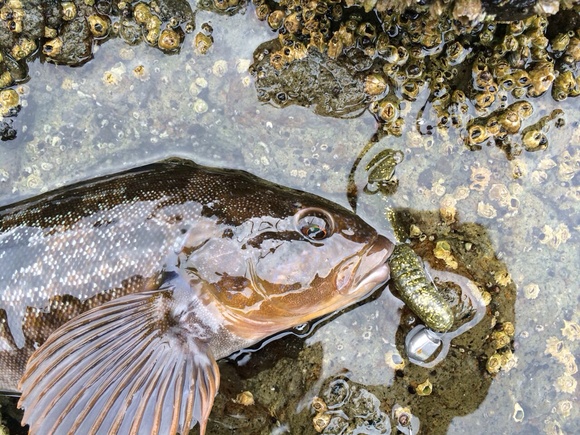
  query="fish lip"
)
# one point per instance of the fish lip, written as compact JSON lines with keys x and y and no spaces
{"x":379,"y":275}
{"x":376,"y":264}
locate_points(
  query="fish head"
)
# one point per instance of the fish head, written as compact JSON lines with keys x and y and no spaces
{"x":278,"y":270}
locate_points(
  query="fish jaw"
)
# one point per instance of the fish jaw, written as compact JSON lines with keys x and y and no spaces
{"x":362,"y":274}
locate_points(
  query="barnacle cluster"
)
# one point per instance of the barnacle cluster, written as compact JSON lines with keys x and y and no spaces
{"x":345,"y":407}
{"x":560,"y":351}
{"x":66,"y":32}
{"x":342,"y":57}
{"x":475,"y":72}
{"x":501,"y":340}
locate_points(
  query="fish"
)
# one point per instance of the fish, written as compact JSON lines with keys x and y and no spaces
{"x":119,"y":294}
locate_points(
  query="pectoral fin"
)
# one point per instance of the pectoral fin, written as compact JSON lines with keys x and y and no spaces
{"x":129,"y":366}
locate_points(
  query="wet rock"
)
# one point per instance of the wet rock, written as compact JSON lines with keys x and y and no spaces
{"x":314,"y":80}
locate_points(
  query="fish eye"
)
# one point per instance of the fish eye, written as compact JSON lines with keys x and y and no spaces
{"x":314,"y":224}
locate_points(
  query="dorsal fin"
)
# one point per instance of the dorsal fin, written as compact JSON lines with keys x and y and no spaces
{"x":133,"y":365}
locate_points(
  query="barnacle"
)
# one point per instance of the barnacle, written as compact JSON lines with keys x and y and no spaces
{"x":531,"y":291}
{"x":477,"y":134}
{"x":493,"y":126}
{"x":335,"y":46}
{"x":375,"y":84}
{"x":555,"y":347}
{"x":245,"y":398}
{"x":292,"y":23}
{"x":23,"y":48}
{"x":560,"y":41}
{"x":456,"y":53}
{"x":33,"y":181}
{"x":484,"y":99}
{"x":507,"y":82}
{"x":141,"y":13}
{"x":111,"y":78}
{"x":98,"y":25}
{"x":388,"y":110}
{"x":319,"y":405}
{"x":571,"y":330}
{"x":169,"y":40}
{"x":521,"y":78}
{"x":566,"y":384}
{"x":564,"y":407}
{"x":523,"y":108}
{"x":573,"y":50}
{"x":552,"y":427}
{"x":508,"y":328}
{"x":461,"y":192}
{"x":541,"y":77}
{"x":262,"y":11}
{"x":220,"y":68}
{"x":69,"y":11}
{"x":500,"y":339}
{"x":508,"y":360}
{"x":200,"y":106}
{"x":569,"y":362}
{"x":6,"y":79}
{"x":320,"y":421}
{"x":202,"y":43}
{"x":493,"y":364}
{"x":554,"y":237}
{"x":480,"y":176}
{"x":52,"y":47}
{"x":424,"y":388}
{"x":390,"y":54}
{"x":443,"y":251}
{"x":411,"y":89}
{"x":141,"y":73}
{"x":394,"y":360}
{"x":276,"y":19}
{"x":9,"y":99}
{"x":500,"y":194}
{"x":534,"y":140}
{"x":502,"y":277}
{"x":486,"y":210}
{"x":518,"y":414}
{"x":568,"y":165}
{"x":486,"y":297}
{"x":510,"y":120}
{"x":438,"y":187}
{"x":564,"y":85}
{"x":447,"y":209}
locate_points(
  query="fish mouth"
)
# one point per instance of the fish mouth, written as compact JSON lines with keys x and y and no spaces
{"x":374,"y":278}
{"x":362,"y":274}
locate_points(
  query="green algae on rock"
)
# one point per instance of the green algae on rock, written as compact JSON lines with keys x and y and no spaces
{"x":415,"y":289}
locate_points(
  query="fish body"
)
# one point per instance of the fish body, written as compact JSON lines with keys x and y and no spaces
{"x":118,"y":295}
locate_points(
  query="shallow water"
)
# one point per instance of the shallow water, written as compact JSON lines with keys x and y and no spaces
{"x":101,"y":118}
